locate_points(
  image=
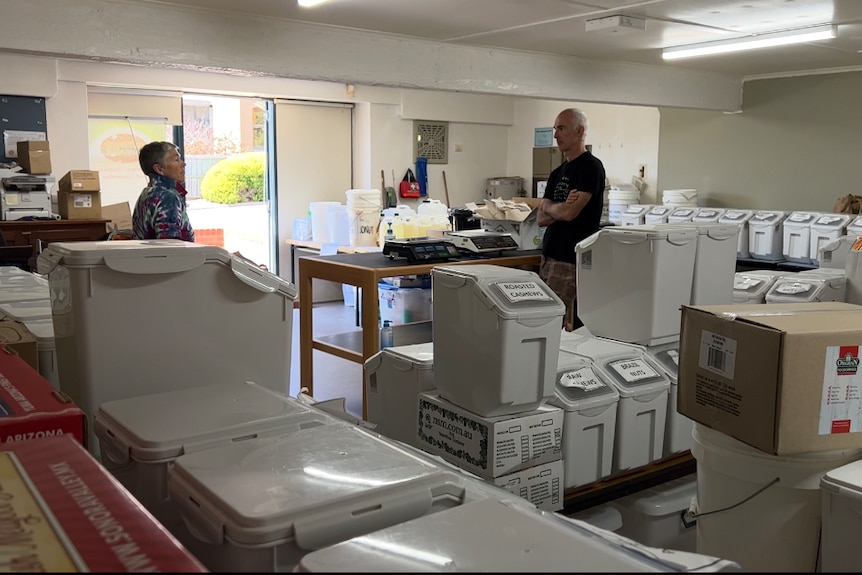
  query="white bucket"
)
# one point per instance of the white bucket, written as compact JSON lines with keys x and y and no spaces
{"x":363,"y":212}
{"x":682,"y":197}
{"x":776,"y":530}
{"x":320,"y":232}
{"x":618,"y":201}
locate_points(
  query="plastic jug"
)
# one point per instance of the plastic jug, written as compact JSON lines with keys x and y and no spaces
{"x":390,"y":228}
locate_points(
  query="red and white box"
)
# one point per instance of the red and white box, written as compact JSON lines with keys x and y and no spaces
{"x":63,"y":512}
{"x":32,"y":408}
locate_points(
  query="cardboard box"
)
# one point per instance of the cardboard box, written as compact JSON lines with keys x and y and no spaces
{"x":542,"y":485}
{"x":79,"y":205}
{"x":65,"y":513}
{"x":17,"y":337}
{"x":522,"y":224}
{"x":80,"y":181}
{"x":120,"y":216}
{"x":31,"y":407}
{"x":34,"y":157}
{"x":489,"y":446}
{"x":783,"y":378}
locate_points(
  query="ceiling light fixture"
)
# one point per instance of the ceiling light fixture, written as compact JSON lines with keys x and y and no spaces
{"x":751,"y":42}
{"x":309,"y":3}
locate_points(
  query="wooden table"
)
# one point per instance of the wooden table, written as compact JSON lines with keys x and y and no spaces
{"x":365,"y":270}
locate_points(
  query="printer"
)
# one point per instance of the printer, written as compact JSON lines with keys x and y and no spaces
{"x":25,"y":196}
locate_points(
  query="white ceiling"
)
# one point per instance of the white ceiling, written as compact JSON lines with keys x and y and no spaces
{"x":558,"y":27}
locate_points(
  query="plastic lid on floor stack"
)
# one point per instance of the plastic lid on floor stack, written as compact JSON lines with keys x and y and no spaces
{"x":808,"y":288}
{"x":28,"y":310}
{"x":750,"y":288}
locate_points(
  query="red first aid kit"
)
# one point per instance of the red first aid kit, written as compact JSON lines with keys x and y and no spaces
{"x":30,"y":407}
{"x":63,"y":512}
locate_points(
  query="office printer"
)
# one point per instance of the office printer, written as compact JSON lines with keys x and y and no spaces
{"x":25,"y":195}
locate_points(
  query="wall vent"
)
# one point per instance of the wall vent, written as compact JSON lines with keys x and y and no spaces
{"x":431,"y":141}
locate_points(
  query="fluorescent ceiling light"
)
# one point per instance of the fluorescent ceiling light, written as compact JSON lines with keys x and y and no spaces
{"x":751,"y":42}
{"x":309,"y":3}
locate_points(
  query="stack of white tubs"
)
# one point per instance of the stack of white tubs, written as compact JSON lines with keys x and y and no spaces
{"x":797,"y":237}
{"x":633,"y":280}
{"x":740,"y":218}
{"x":714,"y":263}
{"x":496,"y":334}
{"x":643,"y":396}
{"x":590,"y":404}
{"x":394,"y":378}
{"x":657,"y":215}
{"x":635,"y":215}
{"x":765,"y":235}
{"x":146,"y":316}
{"x":825,"y":229}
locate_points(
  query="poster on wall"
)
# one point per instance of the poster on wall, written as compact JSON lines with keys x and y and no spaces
{"x":114,"y":145}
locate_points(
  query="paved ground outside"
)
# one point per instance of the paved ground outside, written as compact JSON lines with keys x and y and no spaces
{"x":246,"y":226}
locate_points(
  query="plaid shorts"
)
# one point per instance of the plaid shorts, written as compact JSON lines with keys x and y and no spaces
{"x":562,"y":279}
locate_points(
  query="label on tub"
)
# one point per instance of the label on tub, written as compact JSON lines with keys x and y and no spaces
{"x":633,"y":370}
{"x":523,"y":291}
{"x":841,"y":404}
{"x":583,"y":378}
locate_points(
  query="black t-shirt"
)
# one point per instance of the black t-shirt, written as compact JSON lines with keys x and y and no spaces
{"x":587,"y":174}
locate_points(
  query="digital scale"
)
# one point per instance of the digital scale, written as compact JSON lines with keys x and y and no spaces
{"x":419,"y":250}
{"x":482,"y":241}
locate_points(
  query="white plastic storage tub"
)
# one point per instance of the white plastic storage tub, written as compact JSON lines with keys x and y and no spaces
{"x":632,"y":281}
{"x":653,"y":517}
{"x":765,"y":235}
{"x":46,"y":348}
{"x":261,"y":504}
{"x":23,"y":280}
{"x":797,"y":237}
{"x":825,"y":229}
{"x":642,"y":407}
{"x":807,"y":289}
{"x":714,"y":263}
{"x":635,"y":215}
{"x":740,"y":218}
{"x":496,"y":334}
{"x":854,"y":227}
{"x":27,"y":310}
{"x":604,"y":516}
{"x":394,"y":378}
{"x":145,"y":316}
{"x":707,"y":216}
{"x":15,"y":293}
{"x":589,"y":421}
{"x":657,"y":215}
{"x":677,"y":431}
{"x":853,"y":271}
{"x":681,"y":215}
{"x":778,"y":529}
{"x":140,"y":437}
{"x":751,"y":288}
{"x":486,"y":536}
{"x":841,"y":511}
{"x":834,"y":253}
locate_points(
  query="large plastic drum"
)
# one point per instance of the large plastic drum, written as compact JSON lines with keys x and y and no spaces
{"x":775,"y":530}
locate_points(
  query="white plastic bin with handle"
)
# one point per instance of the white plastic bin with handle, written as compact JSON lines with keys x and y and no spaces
{"x":681,"y":215}
{"x":707,"y":215}
{"x":826,"y":229}
{"x":714,"y":263}
{"x":677,"y":431}
{"x":765,"y":235}
{"x":841,"y":511}
{"x":657,"y":215}
{"x":807,"y":288}
{"x":750,"y":288}
{"x":740,"y":218}
{"x":761,"y":510}
{"x":363,"y":213}
{"x":654,"y":516}
{"x":797,"y":236}
{"x":635,"y":215}
{"x":834,"y":254}
{"x":145,"y":316}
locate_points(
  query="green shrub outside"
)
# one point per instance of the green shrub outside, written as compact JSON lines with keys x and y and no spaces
{"x":235,"y":180}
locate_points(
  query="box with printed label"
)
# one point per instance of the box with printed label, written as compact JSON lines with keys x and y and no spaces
{"x":489,"y":446}
{"x":783,"y":378}
{"x":541,"y":485}
{"x":30,"y":407}
{"x":34,"y":157}
{"x":64,"y":513}
{"x":80,"y":181}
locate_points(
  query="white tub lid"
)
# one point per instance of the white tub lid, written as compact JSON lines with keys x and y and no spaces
{"x":514,"y":293}
{"x":21,"y":280}
{"x":158,"y":257}
{"x":800,"y":219}
{"x":596,"y":347}
{"x":419,"y":355}
{"x":666,"y":356}
{"x":42,"y":329}
{"x":751,"y":285}
{"x":483,"y":536}
{"x":25,"y":293}
{"x":633,"y":375}
{"x":579,"y":386}
{"x":847,"y":476}
{"x":162,"y":426}
{"x":855,"y":226}
{"x":13,"y":270}
{"x":795,"y":289}
{"x":671,"y":497}
{"x":314,"y":487}
{"x":736,"y":216}
{"x":678,"y":235}
{"x":659,"y":211}
{"x":27,"y":310}
{"x":831,"y":222}
{"x":764,"y":218}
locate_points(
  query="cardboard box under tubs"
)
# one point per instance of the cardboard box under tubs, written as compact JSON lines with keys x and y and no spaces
{"x":783,"y":378}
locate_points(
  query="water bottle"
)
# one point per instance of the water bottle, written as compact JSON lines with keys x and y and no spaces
{"x":386,"y":334}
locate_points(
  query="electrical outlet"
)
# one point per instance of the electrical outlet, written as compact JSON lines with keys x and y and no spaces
{"x":642,"y":170}
{"x":459,"y":148}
